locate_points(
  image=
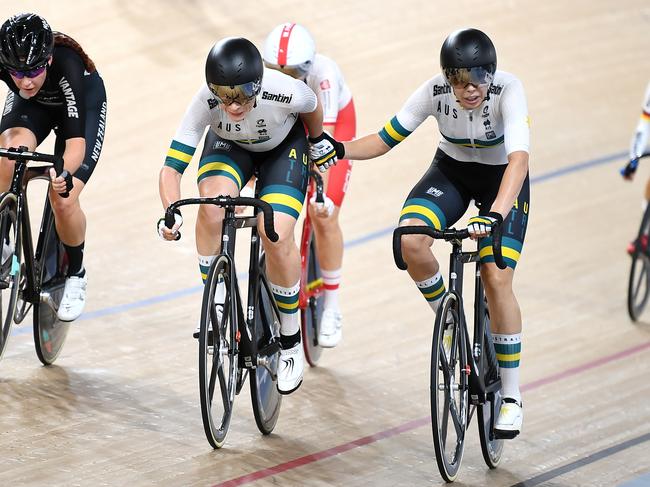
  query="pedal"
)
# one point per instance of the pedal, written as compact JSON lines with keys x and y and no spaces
{"x":505,"y":435}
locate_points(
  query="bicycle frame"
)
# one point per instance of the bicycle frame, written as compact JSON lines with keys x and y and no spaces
{"x":310,"y":289}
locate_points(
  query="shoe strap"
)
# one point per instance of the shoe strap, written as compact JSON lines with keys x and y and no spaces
{"x":511,"y":400}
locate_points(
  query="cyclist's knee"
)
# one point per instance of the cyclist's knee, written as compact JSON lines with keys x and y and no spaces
{"x":415,"y":245}
{"x":64,"y":208}
{"x":327,"y":223}
{"x":210,"y":216}
{"x":496,"y":280}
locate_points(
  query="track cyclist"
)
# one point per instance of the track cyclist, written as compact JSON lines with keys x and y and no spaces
{"x":290,"y":48}
{"x":54,"y":85}
{"x":255,"y":118}
{"x":483,"y":156}
{"x":638,"y":146}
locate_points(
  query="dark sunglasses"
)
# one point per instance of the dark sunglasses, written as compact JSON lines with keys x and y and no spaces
{"x":32,"y":73}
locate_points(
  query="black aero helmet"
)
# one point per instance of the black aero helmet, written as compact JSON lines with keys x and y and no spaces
{"x":234,"y":69}
{"x":466,"y":49}
{"x":26,"y":42}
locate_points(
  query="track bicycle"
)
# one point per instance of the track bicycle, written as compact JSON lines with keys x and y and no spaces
{"x":311,"y":282}
{"x":638,"y":287}
{"x":464,"y":374}
{"x":234,"y":343}
{"x":31,"y":277}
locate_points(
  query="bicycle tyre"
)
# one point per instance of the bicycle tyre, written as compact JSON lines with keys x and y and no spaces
{"x":310,"y":316}
{"x":491,"y":447}
{"x":638,"y":288}
{"x":265,"y":397}
{"x":218,"y":354}
{"x":50,"y":332}
{"x":449,"y":390}
{"x":9,"y":267}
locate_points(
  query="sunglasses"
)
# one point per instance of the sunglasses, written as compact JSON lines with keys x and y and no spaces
{"x":461,"y":77}
{"x":241,"y":94}
{"x":32,"y":73}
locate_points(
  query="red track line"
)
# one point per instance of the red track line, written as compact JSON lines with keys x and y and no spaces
{"x":416,"y":423}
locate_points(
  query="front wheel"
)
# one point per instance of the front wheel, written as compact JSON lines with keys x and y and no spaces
{"x":638,"y":288}
{"x":52,"y":266}
{"x":449,"y":388}
{"x":264,"y":391}
{"x":488,"y":412}
{"x":218,"y":353}
{"x":9,"y":267}
{"x":313,"y":311}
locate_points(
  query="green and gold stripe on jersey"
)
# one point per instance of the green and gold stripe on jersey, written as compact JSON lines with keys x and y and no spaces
{"x":179,"y":156}
{"x":393,"y":133}
{"x":285,"y":199}
{"x":474,"y":144}
{"x":424,"y":210}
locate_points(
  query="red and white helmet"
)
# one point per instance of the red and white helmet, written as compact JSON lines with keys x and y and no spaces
{"x":290,"y":48}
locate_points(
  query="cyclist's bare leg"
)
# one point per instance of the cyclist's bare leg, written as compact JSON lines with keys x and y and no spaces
{"x":329,"y":237}
{"x":13,"y":137}
{"x":69,"y":218}
{"x":283,"y":256}
{"x":210,"y":217}
{"x":647,"y":190}
{"x":416,"y":251}
{"x":505,"y":315}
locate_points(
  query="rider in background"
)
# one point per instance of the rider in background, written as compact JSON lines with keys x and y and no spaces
{"x":637,"y":148}
{"x":290,"y":48}
{"x":483,"y":156}
{"x":257,"y":119}
{"x":54,"y":86}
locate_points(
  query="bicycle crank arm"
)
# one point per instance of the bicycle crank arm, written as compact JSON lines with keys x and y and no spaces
{"x":47,"y":299}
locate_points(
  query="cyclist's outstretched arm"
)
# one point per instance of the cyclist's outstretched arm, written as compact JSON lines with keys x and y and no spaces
{"x":367,"y":147}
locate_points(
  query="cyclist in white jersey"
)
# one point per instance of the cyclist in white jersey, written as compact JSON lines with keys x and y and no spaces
{"x":255,"y":120}
{"x":483,"y":156}
{"x":290,"y":48}
{"x":638,"y":146}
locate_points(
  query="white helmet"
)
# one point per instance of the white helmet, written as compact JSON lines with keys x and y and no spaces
{"x":290,"y":48}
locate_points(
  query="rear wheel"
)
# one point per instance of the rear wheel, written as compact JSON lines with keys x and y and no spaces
{"x":263,"y":382}
{"x":52,"y":265}
{"x":218,"y":354}
{"x":488,"y":412}
{"x":449,"y":388}
{"x":638,"y":288}
{"x":9,"y":267}
{"x":312,"y":313}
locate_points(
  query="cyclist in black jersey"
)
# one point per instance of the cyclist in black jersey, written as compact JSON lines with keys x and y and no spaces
{"x":54,"y":85}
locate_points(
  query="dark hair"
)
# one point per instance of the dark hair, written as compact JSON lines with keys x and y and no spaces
{"x":61,"y":39}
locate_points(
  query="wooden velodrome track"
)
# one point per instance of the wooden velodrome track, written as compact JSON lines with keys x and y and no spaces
{"x":120,"y":406}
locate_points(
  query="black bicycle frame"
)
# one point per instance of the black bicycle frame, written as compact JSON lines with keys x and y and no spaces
{"x":22,"y":175}
{"x":247,"y":346}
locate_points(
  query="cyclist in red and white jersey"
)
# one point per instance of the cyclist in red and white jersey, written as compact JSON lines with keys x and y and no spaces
{"x":482,"y":116}
{"x":638,"y":146}
{"x":290,"y":48}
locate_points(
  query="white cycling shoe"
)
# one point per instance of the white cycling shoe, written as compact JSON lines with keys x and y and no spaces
{"x":290,"y":369}
{"x":74,"y":298}
{"x":511,"y":417}
{"x":330,"y":329}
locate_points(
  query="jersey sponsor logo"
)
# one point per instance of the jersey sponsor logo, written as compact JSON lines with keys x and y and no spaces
{"x":490,"y":135}
{"x":9,"y":103}
{"x":486,"y":111}
{"x":441,"y":89}
{"x":279,"y":97}
{"x":325,"y":84}
{"x":447,"y":110}
{"x":260,"y":123}
{"x":222,"y":145}
{"x":496,"y":89}
{"x":212,"y":103}
{"x":101,"y":130}
{"x":435,"y":192}
{"x":229,"y":127}
{"x":69,"y":98}
{"x":487,"y":124}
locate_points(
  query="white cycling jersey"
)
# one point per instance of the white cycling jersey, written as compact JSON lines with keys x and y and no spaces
{"x":281,"y":99}
{"x":640,"y":139}
{"x":487,"y":134}
{"x":326,"y":79}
